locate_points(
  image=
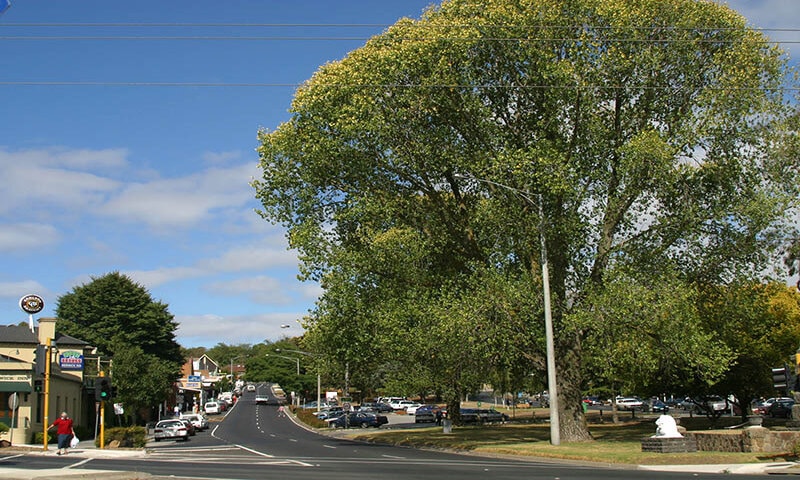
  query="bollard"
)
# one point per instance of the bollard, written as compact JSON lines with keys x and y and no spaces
{"x":447,"y":426}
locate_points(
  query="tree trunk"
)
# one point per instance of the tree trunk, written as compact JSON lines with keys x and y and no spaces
{"x":572,"y":421}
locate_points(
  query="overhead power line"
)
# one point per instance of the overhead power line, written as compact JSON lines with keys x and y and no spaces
{"x":362,"y":86}
{"x":710,"y":28}
{"x":361,"y":39}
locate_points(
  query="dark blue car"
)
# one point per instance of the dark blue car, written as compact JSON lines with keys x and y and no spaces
{"x":359,"y":419}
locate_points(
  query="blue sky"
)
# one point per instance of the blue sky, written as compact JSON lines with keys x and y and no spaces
{"x":152,"y":180}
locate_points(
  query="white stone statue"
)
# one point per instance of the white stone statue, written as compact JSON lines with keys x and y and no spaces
{"x":666,"y":427}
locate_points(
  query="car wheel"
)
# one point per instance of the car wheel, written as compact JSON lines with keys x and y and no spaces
{"x":157,"y":439}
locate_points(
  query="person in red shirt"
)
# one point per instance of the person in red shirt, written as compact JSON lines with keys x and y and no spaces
{"x":65,"y":432}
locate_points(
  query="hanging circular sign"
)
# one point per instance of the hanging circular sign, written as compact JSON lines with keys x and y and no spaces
{"x":31,"y":304}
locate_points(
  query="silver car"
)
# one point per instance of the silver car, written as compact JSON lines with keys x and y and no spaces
{"x":166,"y":429}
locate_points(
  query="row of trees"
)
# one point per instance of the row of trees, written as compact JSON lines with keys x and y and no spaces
{"x":650,"y":143}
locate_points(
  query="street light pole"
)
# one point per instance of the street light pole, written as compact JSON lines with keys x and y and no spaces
{"x":319,"y":382}
{"x":294,"y":359}
{"x":552,"y":387}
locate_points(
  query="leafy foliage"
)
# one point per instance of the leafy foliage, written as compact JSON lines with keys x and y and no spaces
{"x":112,"y":306}
{"x":417,"y":175}
{"x":120,"y":318}
{"x":760,"y":324}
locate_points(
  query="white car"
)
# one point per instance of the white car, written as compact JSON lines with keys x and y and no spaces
{"x":412,"y":409}
{"x":403,"y":404}
{"x":166,"y":429}
{"x":199,"y":421}
{"x":211,"y":408}
{"x":629,"y":403}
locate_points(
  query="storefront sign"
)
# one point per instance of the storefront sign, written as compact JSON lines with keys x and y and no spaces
{"x":193,"y":381}
{"x":31,"y":304}
{"x":70,"y":360}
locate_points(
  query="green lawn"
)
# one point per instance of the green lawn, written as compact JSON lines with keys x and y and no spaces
{"x":613,"y":444}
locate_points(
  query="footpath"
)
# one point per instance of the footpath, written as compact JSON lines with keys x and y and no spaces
{"x":86,"y":451}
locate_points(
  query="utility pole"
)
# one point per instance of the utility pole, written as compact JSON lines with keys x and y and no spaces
{"x":46,"y":406}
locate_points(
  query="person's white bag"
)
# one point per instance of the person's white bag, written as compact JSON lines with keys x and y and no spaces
{"x":74,"y":442}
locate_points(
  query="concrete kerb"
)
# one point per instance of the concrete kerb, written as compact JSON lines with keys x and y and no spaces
{"x":85,"y":449}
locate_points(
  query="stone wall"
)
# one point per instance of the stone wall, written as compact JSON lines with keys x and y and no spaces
{"x":751,"y":439}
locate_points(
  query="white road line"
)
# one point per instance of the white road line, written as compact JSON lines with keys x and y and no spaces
{"x":392,"y":456}
{"x":11,"y":457}
{"x":255,"y":451}
{"x":329,"y":446}
{"x":82,"y":462}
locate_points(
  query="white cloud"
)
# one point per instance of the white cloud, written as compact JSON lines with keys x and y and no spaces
{"x":27,"y":236}
{"x":209,"y":330}
{"x":256,"y":257}
{"x":259,"y":289}
{"x":772,"y":15}
{"x":36,"y":180}
{"x":153,"y":278}
{"x":22,"y":288}
{"x":182,"y":202}
{"x":219,"y":158}
{"x":253,"y":257}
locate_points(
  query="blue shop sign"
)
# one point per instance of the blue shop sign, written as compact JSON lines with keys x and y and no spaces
{"x":70,"y":361}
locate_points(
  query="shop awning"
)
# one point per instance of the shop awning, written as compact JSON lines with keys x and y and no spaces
{"x":24,"y":387}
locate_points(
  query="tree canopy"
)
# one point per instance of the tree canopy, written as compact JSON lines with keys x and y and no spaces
{"x":121,"y":319}
{"x":417,"y":175}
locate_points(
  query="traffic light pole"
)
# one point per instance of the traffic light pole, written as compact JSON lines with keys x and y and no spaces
{"x":46,"y":406}
{"x":102,"y":416}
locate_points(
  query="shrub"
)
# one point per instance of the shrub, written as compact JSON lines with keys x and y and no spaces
{"x":37,"y":438}
{"x":128,"y":437}
{"x":306,"y":415}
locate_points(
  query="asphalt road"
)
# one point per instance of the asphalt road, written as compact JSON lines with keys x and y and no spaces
{"x":252,"y":442}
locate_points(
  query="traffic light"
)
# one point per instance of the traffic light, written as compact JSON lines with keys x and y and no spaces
{"x":37,"y":385}
{"x":780,"y":377}
{"x":102,"y":389}
{"x":40,"y":360}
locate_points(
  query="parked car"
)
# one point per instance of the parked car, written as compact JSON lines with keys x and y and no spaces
{"x":402,"y":404}
{"x":329,"y":412}
{"x":711,"y":404}
{"x":412,"y":409}
{"x":629,"y":403}
{"x":199,"y":421}
{"x":189,"y":426}
{"x":657,"y":406}
{"x":211,"y":408}
{"x":166,"y":429}
{"x":378,"y":407}
{"x":781,"y":408}
{"x":763,"y":407}
{"x":491,"y":415}
{"x":427,"y":413}
{"x":358,"y":419}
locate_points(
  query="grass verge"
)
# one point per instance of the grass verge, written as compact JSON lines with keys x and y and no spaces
{"x":613,"y":444}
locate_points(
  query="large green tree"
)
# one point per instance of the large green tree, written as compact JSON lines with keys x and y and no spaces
{"x":629,"y":134}
{"x":120,"y":318}
{"x":760,"y":325}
